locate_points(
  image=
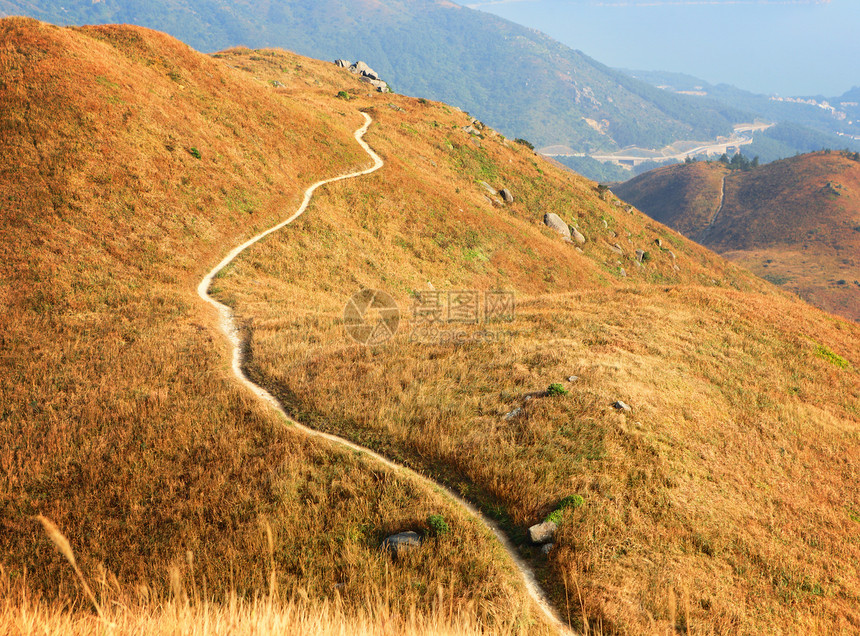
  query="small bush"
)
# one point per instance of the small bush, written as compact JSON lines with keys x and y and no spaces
{"x":421,"y":100}
{"x":556,"y":389}
{"x":194,"y":153}
{"x":526,"y":143}
{"x":438,"y":526}
{"x":343,"y":95}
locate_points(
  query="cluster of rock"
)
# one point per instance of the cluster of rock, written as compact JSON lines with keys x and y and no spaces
{"x":542,"y":534}
{"x":515,"y":413}
{"x":568,"y":233}
{"x":571,"y":234}
{"x":494,"y":194}
{"x":365,"y":74}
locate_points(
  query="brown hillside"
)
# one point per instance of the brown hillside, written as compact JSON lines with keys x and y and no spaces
{"x":120,"y":417}
{"x":795,"y":222}
{"x":684,"y":196}
{"x":698,"y":494}
{"x":723,"y":502}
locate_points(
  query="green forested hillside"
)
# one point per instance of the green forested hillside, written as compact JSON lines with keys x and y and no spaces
{"x":518,"y":80}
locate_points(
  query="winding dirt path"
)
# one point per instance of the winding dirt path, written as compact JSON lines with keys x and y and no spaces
{"x":713,"y":218}
{"x":228,"y":326}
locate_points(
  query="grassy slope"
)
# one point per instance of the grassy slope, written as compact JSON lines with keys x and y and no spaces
{"x":120,"y":417}
{"x":683,"y":196}
{"x":725,"y":501}
{"x":727,"y":494}
{"x":781,"y":220}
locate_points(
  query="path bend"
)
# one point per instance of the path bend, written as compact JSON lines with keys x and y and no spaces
{"x":230,"y":329}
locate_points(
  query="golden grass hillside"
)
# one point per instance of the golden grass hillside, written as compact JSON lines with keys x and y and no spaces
{"x":795,"y":222}
{"x":684,"y":196}
{"x":130,"y":164}
{"x":725,"y":502}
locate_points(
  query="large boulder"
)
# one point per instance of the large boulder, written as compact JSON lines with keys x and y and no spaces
{"x":397,"y":543}
{"x":553,"y":221}
{"x":506,"y":195}
{"x":360,"y":68}
{"x":342,"y":63}
{"x":542,"y":532}
{"x":378,"y":84}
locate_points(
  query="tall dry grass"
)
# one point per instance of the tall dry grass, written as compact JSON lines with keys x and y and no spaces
{"x":119,"y":416}
{"x":730,"y":488}
{"x":189,"y":608}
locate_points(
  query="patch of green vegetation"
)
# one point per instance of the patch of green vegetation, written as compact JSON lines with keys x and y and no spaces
{"x":471,"y":161}
{"x":240,"y":201}
{"x":525,"y":142}
{"x":437,"y":525}
{"x":835,"y":359}
{"x":101,"y":79}
{"x":194,"y":153}
{"x":776,"y":279}
{"x":556,"y":389}
{"x":472,"y":254}
{"x":569,"y":502}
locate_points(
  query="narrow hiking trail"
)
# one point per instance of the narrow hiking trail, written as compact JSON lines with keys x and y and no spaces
{"x":714,"y":216}
{"x":230,"y":329}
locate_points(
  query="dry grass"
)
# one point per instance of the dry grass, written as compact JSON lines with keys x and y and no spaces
{"x":726,"y":502}
{"x":120,"y":417}
{"x":722,"y":504}
{"x":189,"y":609}
{"x":794,"y":222}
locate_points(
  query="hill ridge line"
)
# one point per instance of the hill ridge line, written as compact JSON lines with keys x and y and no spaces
{"x":229,"y":328}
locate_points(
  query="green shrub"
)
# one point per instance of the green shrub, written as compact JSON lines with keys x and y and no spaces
{"x":833,"y":358}
{"x":438,"y":525}
{"x":194,"y":153}
{"x":556,"y":389}
{"x":571,"y":501}
{"x":343,"y":95}
{"x":526,"y":143}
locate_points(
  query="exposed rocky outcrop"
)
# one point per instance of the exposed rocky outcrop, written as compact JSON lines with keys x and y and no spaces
{"x":365,"y":74}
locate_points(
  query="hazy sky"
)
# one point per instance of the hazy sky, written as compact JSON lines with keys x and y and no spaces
{"x":790,"y":47}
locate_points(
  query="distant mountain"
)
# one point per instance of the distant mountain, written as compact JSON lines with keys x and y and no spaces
{"x":807,"y":123}
{"x":520,"y":81}
{"x":795,"y":222}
